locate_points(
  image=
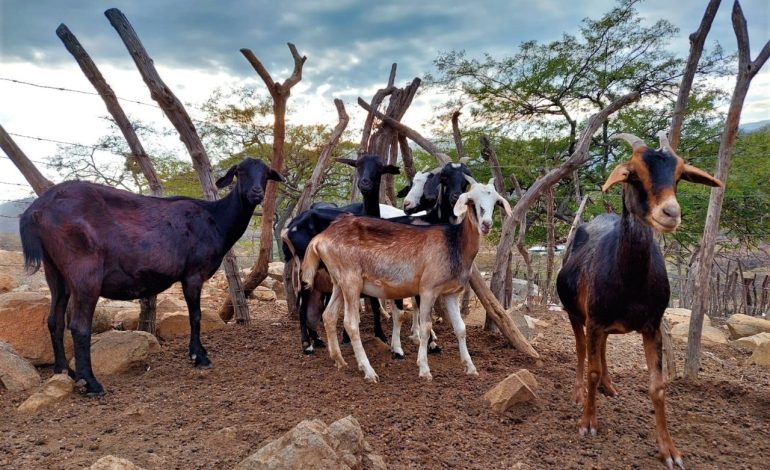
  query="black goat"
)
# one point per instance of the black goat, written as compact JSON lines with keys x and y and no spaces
{"x":306,"y":225}
{"x":613,"y":278}
{"x":94,"y":241}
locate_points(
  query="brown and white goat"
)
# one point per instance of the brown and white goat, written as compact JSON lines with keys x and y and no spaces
{"x":613,"y":277}
{"x":395,"y":261}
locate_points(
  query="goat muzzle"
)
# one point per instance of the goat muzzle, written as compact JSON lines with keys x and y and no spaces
{"x":255,"y":195}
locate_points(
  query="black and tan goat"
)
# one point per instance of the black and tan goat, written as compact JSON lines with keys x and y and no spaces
{"x":613,"y":278}
{"x":395,"y":261}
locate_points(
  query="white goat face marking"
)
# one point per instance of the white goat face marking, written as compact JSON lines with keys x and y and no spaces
{"x":484,"y":198}
{"x":412,"y":198}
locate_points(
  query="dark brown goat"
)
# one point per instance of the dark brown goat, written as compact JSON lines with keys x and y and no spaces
{"x":613,"y":278}
{"x":94,"y":241}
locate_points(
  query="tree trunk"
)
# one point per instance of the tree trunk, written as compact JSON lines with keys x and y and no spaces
{"x":550,"y":245}
{"x":457,"y":136}
{"x":92,"y":73}
{"x":488,"y":153}
{"x":500,"y":317}
{"x":280,"y":93}
{"x":28,"y":169}
{"x":746,"y":72}
{"x":697,"y":40}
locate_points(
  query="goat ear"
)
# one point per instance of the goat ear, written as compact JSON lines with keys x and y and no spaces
{"x":346,"y":161}
{"x":404,"y":191}
{"x":225,"y":181}
{"x":391,"y":169}
{"x":461,"y":206}
{"x":696,"y":175}
{"x":618,"y":175}
{"x":506,"y":207}
{"x":274,"y":175}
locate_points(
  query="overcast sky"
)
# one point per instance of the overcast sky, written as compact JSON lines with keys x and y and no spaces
{"x":350,"y":46}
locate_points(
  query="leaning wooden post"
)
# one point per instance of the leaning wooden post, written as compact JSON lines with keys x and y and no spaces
{"x":747,"y":70}
{"x":28,"y":169}
{"x":92,"y":73}
{"x":308,"y":192}
{"x":578,"y":157}
{"x":280,"y":93}
{"x":176,"y":113}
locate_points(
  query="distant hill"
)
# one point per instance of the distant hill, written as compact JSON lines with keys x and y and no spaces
{"x":753,"y":126}
{"x":9,"y":215}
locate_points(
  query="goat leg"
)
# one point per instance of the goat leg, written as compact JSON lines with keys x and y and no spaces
{"x":653,"y":352}
{"x":588,"y":423}
{"x":80,"y":325}
{"x":330,"y":323}
{"x":452,"y":304}
{"x":606,"y":386}
{"x":351,"y":321}
{"x":578,"y":393}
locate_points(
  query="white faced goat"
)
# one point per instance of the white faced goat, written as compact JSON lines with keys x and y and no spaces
{"x":395,"y":261}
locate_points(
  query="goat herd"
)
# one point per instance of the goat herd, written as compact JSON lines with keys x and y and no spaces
{"x":94,"y":240}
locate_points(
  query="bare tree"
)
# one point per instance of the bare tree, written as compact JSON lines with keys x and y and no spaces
{"x":697,"y":40}
{"x":746,"y":72}
{"x":280,"y":93}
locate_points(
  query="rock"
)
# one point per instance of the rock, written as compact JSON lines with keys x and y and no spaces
{"x":110,"y":462}
{"x":741,"y":325}
{"x":16,"y":373}
{"x":127,"y":319}
{"x":178,"y":323}
{"x":168,"y":304}
{"x":24,"y":325}
{"x":264,"y":294}
{"x":114,"y":352}
{"x":54,"y":390}
{"x":275,"y":270}
{"x":516,"y":388}
{"x":519,"y":290}
{"x":275,"y":286}
{"x":7,"y":283}
{"x":709,"y":335}
{"x":104,"y":318}
{"x":675,"y":316}
{"x":311,"y":444}
{"x":761,"y":355}
{"x":751,"y":343}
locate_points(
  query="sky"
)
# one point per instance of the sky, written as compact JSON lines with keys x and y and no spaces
{"x":350,"y":46}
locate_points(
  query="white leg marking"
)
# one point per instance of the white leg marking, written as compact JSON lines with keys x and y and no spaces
{"x":453,"y":310}
{"x":351,"y":325}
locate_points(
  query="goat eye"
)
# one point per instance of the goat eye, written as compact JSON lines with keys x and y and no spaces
{"x":482,"y":211}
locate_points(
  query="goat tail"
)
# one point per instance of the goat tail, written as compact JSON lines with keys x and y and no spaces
{"x":310,"y":264}
{"x":31,"y":243}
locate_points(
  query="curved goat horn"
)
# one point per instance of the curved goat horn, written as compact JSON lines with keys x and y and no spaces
{"x":634,"y":141}
{"x":664,"y":143}
{"x":470,"y":179}
{"x":465,"y":160}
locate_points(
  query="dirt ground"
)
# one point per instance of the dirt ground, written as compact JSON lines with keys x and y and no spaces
{"x":171,"y":415}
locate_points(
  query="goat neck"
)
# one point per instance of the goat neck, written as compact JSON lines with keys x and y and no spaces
{"x":233,"y":214}
{"x":635,"y":244}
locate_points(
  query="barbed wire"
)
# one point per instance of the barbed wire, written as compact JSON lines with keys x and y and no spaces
{"x":70,"y":90}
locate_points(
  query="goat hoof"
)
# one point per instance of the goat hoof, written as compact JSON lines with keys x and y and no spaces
{"x":308,"y":351}
{"x":89,"y":389}
{"x":426,"y":376}
{"x":397,"y":356}
{"x":434,"y":349}
{"x":608,"y":389}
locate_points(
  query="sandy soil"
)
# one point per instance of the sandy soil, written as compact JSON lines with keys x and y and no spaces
{"x":170,"y":415}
